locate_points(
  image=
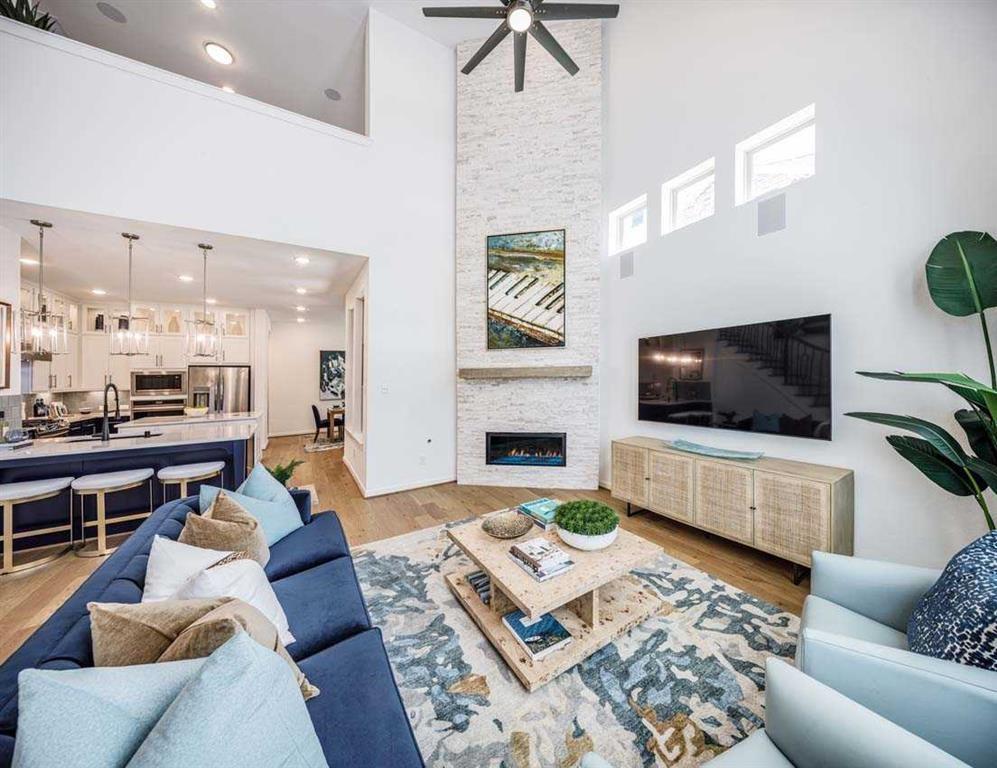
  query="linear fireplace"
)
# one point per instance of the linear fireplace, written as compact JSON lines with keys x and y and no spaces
{"x":526,"y":449}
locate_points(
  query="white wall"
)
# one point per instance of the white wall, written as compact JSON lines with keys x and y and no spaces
{"x":294,"y":373}
{"x":906,"y":153}
{"x":124,"y":139}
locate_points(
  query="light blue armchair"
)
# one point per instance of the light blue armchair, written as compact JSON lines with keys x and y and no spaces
{"x":853,"y":639}
{"x":808,"y":725}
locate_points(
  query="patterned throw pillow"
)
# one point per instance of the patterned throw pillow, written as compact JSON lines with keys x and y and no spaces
{"x":957,"y":618}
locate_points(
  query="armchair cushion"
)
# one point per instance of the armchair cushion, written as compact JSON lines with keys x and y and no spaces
{"x":826,"y":616}
{"x":957,"y":618}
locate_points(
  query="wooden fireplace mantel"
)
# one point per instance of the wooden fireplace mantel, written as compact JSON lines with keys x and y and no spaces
{"x":534,"y":372}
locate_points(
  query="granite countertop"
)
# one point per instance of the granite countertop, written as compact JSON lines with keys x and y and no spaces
{"x":171,"y":421}
{"x":190,"y":434}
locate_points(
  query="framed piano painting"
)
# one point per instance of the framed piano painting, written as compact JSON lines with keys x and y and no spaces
{"x":525,"y":289}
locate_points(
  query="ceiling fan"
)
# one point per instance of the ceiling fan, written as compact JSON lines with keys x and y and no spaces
{"x":520,"y":17}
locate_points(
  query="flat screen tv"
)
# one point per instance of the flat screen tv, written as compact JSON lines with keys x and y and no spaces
{"x":765,"y":377}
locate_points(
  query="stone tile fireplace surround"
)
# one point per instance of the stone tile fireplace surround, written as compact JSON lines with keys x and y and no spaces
{"x":506,"y":184}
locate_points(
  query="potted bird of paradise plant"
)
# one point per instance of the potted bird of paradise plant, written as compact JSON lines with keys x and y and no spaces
{"x":961,"y":273}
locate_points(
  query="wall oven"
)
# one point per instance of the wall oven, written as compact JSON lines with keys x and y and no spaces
{"x":159,"y":383}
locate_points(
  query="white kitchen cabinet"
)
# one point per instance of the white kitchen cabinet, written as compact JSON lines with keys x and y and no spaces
{"x":119,"y":371}
{"x":41,"y":377}
{"x":94,"y":354}
{"x":65,"y":368}
{"x":235,"y":349}
{"x":172,"y":352}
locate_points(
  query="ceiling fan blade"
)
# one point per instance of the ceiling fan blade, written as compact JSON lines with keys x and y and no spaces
{"x":543,"y":36}
{"x":497,"y":37}
{"x":466,"y":12}
{"x":520,"y":53}
{"x":571,"y":11}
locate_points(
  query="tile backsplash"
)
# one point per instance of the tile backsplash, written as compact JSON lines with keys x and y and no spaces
{"x":11,"y":407}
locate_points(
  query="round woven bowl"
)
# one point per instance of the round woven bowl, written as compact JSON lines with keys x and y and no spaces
{"x":508,"y":525}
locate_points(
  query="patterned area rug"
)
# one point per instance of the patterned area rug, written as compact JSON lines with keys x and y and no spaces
{"x":682,"y":687}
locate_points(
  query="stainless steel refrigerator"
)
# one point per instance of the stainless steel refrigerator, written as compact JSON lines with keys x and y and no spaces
{"x":220,"y":388}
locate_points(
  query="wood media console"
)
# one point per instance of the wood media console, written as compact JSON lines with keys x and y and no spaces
{"x":785,"y":508}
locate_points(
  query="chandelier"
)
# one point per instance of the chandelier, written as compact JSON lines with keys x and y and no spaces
{"x":43,"y":333}
{"x":126,"y":339}
{"x":203,"y":338}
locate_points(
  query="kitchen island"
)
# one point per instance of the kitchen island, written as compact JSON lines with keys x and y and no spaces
{"x":151,"y":446}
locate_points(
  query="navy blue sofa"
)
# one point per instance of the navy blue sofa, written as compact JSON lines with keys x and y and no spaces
{"x":359,"y":716}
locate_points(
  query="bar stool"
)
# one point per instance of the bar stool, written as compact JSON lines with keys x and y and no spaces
{"x":22,"y":493}
{"x":100,"y":485}
{"x":182,"y":474}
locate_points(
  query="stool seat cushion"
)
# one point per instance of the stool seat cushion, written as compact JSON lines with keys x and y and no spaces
{"x":31,"y":488}
{"x":110,"y":481}
{"x":187,"y":471}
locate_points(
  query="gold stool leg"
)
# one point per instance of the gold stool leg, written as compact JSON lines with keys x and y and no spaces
{"x":8,"y":536}
{"x":101,"y":524}
{"x":183,"y":489}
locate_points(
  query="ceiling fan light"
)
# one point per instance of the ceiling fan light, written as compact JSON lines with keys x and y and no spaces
{"x":520,"y":17}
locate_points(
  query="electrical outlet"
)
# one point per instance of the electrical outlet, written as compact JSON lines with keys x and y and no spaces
{"x":384,"y":389}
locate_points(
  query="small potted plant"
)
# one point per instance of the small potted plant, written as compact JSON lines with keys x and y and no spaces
{"x":284,"y":472}
{"x":587,"y":525}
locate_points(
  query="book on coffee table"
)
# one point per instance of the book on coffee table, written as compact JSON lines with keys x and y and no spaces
{"x":541,"y":512}
{"x":541,"y":558}
{"x":540,"y":637}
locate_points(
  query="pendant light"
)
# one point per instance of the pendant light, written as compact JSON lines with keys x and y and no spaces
{"x":202,"y":332}
{"x":126,"y":339}
{"x":43,"y":333}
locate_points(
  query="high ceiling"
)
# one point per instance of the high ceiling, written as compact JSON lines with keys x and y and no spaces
{"x":84,"y":251}
{"x":288,"y":53}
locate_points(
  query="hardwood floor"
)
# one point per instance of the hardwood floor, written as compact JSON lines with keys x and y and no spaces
{"x":27,"y":599}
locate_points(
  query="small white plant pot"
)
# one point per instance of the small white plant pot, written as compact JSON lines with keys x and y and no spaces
{"x":588,"y":543}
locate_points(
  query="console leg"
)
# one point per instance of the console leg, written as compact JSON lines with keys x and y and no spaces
{"x":799,"y":572}
{"x":631,"y":511}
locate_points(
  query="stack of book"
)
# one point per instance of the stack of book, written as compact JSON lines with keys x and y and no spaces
{"x":540,"y":558}
{"x":481,"y":584}
{"x":541,"y":512}
{"x":540,"y":637}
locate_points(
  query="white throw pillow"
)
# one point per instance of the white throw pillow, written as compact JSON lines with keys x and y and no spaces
{"x":242,"y":579}
{"x":171,"y":564}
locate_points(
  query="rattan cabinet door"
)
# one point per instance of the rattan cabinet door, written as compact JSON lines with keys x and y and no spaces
{"x":792,"y":516}
{"x":630,"y":473}
{"x":669,"y":489}
{"x":723,"y":500}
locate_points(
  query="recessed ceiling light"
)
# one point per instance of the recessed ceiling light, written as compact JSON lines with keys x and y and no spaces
{"x":228,"y":89}
{"x":111,"y":12}
{"x":211,"y":301}
{"x":209,"y":4}
{"x":301,"y":319}
{"x":332,"y":94}
{"x":98,"y":292}
{"x":300,"y":291}
{"x":301,"y":308}
{"x":302,"y":261}
{"x":185,"y":279}
{"x":219,"y":53}
{"x":30,"y":262}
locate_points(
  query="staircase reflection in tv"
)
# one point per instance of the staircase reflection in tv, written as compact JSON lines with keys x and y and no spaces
{"x":526,"y":449}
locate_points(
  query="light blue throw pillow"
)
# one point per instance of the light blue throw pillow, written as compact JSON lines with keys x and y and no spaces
{"x":276,"y":518}
{"x":243,"y":710}
{"x":78,"y":718}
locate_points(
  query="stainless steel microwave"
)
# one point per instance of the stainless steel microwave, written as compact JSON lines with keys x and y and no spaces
{"x":158,"y":383}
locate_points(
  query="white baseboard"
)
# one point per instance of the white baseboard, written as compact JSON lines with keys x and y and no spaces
{"x":353,"y":474}
{"x":291,"y":434}
{"x":406,"y":487}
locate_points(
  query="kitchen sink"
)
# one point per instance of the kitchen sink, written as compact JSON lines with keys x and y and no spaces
{"x":97,"y":438}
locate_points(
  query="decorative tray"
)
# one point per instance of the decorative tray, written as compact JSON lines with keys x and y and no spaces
{"x":716,"y":453}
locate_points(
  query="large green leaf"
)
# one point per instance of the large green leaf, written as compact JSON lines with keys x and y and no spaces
{"x":947,"y":445}
{"x":962,"y":273}
{"x":973,"y":391}
{"x":979,"y":429}
{"x":932,"y":464}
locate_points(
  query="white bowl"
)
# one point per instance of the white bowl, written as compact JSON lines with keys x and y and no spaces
{"x":588,"y":543}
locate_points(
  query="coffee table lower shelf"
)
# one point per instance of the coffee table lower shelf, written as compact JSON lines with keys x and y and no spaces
{"x":623,"y":604}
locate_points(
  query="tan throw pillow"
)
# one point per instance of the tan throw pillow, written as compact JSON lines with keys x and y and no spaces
{"x":217,"y":627}
{"x":124,"y":634}
{"x":226,"y":525}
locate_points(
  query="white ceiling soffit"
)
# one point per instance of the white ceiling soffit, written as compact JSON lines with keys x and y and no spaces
{"x":84,"y":251}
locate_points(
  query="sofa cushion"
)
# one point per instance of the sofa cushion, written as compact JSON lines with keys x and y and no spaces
{"x":826,"y":616}
{"x":122,"y":704}
{"x":241,"y":709}
{"x":227,"y":526}
{"x":276,"y":519}
{"x":323,"y":606}
{"x":170,"y":565}
{"x":367,"y":727}
{"x":956,"y":619}
{"x":318,"y":542}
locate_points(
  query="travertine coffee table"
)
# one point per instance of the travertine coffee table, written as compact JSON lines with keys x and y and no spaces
{"x":596,"y":601}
